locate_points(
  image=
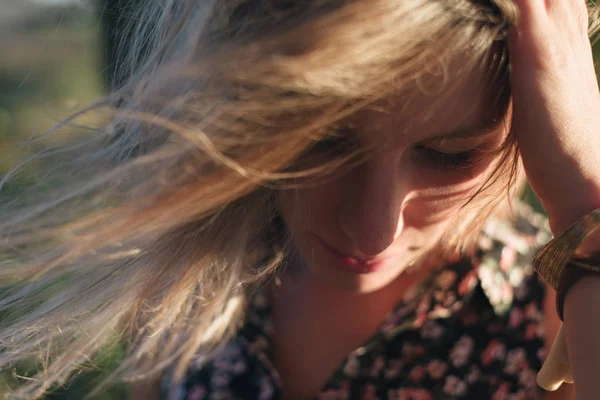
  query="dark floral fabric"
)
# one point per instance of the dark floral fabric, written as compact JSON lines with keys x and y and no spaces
{"x":473,"y":330}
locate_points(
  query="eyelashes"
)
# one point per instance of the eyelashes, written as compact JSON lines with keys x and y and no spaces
{"x":421,"y":156}
{"x":335,"y":145}
{"x":431,"y":158}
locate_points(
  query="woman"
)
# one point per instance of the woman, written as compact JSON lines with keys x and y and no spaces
{"x":311,"y":199}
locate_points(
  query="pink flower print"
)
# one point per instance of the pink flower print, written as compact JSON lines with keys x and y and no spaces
{"x":220,"y":379}
{"x":197,"y":392}
{"x":502,"y":392}
{"x":400,"y":394}
{"x":541,"y":354}
{"x":532,"y":331}
{"x":328,"y":394}
{"x":486,"y":242}
{"x":454,"y":386}
{"x":533,"y":312}
{"x":335,"y":394}
{"x":259,"y":345}
{"x":527,"y":378}
{"x":239,"y":367}
{"x":404,"y":311}
{"x":473,"y":375}
{"x":369,"y":392}
{"x":454,"y":257}
{"x":394,"y":369}
{"x":388,"y":327}
{"x":424,"y":305}
{"x":507,"y":293}
{"x":411,"y":352}
{"x":436,"y":369}
{"x":266,"y":389}
{"x":516,"y":277}
{"x":267,"y":327}
{"x":260,"y":301}
{"x":508,"y":258}
{"x":352,"y":367}
{"x":411,"y":294}
{"x":495,"y":350}
{"x":227,"y":357}
{"x":378,"y":365}
{"x":409,"y":394}
{"x":468,"y":283}
{"x":517,"y":316}
{"x":420,"y":394}
{"x":461,"y":352}
{"x":486,"y":271}
{"x":522,"y":395}
{"x":515,"y":361}
{"x":198,"y":362}
{"x":431,"y":330}
{"x":417,"y":373}
{"x":332,"y":394}
{"x":495,"y":294}
{"x":521,"y":291}
{"x":449,"y":299}
{"x":445,"y":279}
{"x":420,"y":321}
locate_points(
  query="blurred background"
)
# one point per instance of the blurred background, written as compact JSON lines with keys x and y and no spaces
{"x":53,"y":60}
{"x":55,"y":57}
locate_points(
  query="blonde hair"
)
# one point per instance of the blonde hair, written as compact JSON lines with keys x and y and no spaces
{"x":159,"y":222}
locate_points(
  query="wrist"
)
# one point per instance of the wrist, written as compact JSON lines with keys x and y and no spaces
{"x":562,"y":214}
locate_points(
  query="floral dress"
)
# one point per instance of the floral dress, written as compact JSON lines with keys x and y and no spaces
{"x":473,"y":330}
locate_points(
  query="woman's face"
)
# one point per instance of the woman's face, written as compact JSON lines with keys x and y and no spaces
{"x":361,"y":230}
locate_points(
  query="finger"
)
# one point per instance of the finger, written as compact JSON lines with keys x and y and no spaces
{"x":531,"y":13}
{"x":571,"y":16}
{"x":556,"y":366}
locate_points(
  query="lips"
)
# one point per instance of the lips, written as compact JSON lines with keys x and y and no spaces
{"x":353,"y":264}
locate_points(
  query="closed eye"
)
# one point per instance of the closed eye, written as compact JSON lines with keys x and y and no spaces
{"x":433,"y":158}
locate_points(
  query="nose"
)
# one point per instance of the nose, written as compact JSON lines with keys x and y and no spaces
{"x":370,"y":212}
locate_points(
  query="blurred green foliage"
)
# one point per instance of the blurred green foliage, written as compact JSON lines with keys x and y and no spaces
{"x":52,"y":66}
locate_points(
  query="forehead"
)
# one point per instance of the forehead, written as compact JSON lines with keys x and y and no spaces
{"x":452,"y":102}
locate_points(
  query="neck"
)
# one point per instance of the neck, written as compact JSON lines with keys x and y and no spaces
{"x":301,"y":291}
{"x":332,"y":322}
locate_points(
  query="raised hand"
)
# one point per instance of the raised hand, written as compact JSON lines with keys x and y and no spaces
{"x":556,"y":109}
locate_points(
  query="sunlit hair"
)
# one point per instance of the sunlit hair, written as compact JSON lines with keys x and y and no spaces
{"x":156,"y":227}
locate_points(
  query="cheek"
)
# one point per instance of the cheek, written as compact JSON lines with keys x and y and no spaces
{"x":423,"y":209}
{"x":448,"y":178}
{"x":303,"y":209}
{"x":437,"y":197}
